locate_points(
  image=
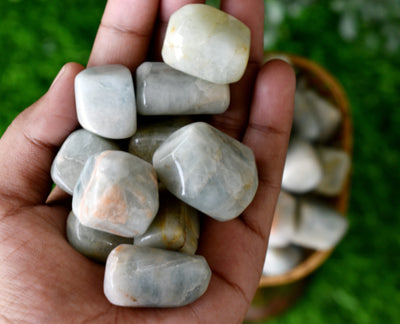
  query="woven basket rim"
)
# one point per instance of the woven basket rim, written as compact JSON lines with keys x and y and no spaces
{"x":339,"y":98}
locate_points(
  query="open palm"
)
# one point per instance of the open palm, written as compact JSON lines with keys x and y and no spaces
{"x":42,"y":279}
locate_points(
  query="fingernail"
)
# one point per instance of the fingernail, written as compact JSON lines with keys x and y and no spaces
{"x":60,"y":73}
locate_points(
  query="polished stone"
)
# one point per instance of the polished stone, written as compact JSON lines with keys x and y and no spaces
{"x":140,"y":276}
{"x":319,"y":227}
{"x":72,"y":155}
{"x":105,"y":101}
{"x":151,"y":134}
{"x":208,"y":43}
{"x":176,"y":226}
{"x":303,"y":169}
{"x":328,"y":115}
{"x":284,"y":222}
{"x":336,"y":165}
{"x":117,"y":192}
{"x":162,"y":90}
{"x":279,"y":261}
{"x":92,"y":243}
{"x":208,"y":170}
{"x":305,"y":122}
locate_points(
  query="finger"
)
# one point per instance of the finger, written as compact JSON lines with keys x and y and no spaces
{"x":29,"y":145}
{"x":241,"y":243}
{"x":267,"y":134}
{"x":124,"y":33}
{"x":251,"y":13}
{"x":167,"y":8}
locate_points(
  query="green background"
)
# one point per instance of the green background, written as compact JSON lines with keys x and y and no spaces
{"x":360,"y":281}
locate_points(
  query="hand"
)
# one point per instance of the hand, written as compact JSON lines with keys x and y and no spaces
{"x":42,"y":278}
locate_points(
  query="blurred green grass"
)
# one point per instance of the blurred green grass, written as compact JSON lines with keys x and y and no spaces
{"x":360,"y":281}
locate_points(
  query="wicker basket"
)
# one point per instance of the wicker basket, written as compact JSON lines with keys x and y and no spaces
{"x":276,"y":293}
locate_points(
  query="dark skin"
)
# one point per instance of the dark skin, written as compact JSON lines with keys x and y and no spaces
{"x":42,"y":278}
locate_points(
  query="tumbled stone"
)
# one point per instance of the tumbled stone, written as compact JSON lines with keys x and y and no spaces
{"x":140,"y":276}
{"x":336,"y":165}
{"x":284,"y":221}
{"x":305,"y":121}
{"x":72,"y":155}
{"x":329,"y":116}
{"x":303,"y":170}
{"x":162,"y":90}
{"x":105,"y":101}
{"x":175,"y":227}
{"x":208,"y":43}
{"x":117,"y":192}
{"x":208,"y":170}
{"x":319,"y":227}
{"x":92,"y":243}
{"x":279,"y":261}
{"x":150,"y":135}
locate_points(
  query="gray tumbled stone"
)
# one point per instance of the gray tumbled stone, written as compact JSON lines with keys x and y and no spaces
{"x":162,"y":90}
{"x":92,"y":243}
{"x":150,"y":135}
{"x":319,"y":226}
{"x":105,"y":101}
{"x":140,"y":276}
{"x":176,"y":226}
{"x":72,"y":155}
{"x":208,"y":170}
{"x":117,"y":192}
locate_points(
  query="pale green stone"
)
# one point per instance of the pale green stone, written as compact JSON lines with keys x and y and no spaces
{"x":208,"y":43}
{"x":208,"y":170}
{"x":90,"y":242}
{"x":139,"y":276}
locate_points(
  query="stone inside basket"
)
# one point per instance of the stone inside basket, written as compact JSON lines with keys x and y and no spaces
{"x":321,"y":84}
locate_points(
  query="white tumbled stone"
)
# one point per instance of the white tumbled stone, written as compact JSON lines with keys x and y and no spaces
{"x":319,"y":227}
{"x":279,"y":261}
{"x":72,"y":156}
{"x":208,"y":170}
{"x":208,"y":43}
{"x":105,"y":101}
{"x":284,"y":222}
{"x":162,"y":90}
{"x":139,"y":276}
{"x":336,"y":165}
{"x":117,"y":192}
{"x":303,"y":169}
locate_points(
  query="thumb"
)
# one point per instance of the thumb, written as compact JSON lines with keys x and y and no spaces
{"x":30,"y":143}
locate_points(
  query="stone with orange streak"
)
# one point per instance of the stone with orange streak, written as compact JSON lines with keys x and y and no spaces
{"x":117,"y":192}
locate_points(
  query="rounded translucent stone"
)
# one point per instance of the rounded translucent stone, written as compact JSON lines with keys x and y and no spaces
{"x":139,"y":276}
{"x":208,"y":170}
{"x":90,"y":242}
{"x":72,"y":156}
{"x":117,"y":192}
{"x":162,"y":90}
{"x":208,"y":43}
{"x":105,"y":101}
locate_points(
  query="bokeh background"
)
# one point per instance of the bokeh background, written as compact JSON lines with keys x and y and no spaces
{"x":358,"y":41}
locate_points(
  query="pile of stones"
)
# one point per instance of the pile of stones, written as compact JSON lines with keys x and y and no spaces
{"x":315,"y":172}
{"x":139,"y":183}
